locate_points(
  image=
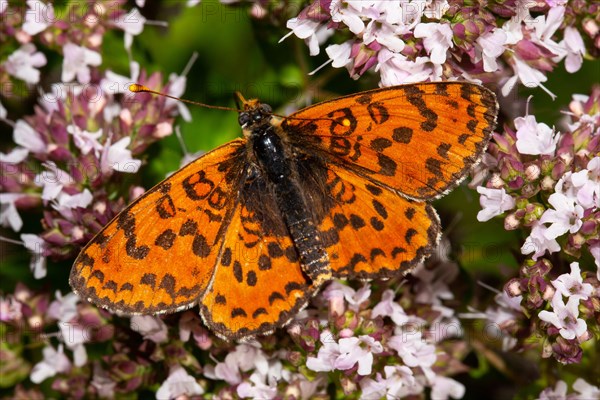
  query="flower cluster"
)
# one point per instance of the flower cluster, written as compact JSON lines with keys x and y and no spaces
{"x":415,"y":41}
{"x":380,"y":343}
{"x":548,"y":182}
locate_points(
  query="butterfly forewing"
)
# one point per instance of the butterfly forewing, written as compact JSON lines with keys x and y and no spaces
{"x":159,"y":254}
{"x":420,"y":139}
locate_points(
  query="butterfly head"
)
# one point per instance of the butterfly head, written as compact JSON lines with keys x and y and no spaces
{"x":254,"y":115}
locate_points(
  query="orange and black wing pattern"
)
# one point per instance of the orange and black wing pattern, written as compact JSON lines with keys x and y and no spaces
{"x":419,"y":139}
{"x":159,"y":254}
{"x":372,"y":232}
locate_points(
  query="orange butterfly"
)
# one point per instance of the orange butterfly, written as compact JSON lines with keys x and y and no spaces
{"x":251,"y":230}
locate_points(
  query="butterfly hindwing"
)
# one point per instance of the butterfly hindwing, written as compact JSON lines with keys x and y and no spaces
{"x":158,"y":255}
{"x":373,"y":232}
{"x":258,"y":283}
{"x":419,"y":139}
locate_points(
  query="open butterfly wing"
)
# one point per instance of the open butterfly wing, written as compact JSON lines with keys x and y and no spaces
{"x":420,"y":139}
{"x":159,"y":254}
{"x":371,"y":231}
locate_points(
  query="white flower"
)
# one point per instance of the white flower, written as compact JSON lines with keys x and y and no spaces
{"x":74,"y":335}
{"x":358,"y":350}
{"x":313,"y":32}
{"x":585,"y":390}
{"x":348,"y":15}
{"x":437,"y":40}
{"x":38,"y":17}
{"x":571,"y":285}
{"x":54,"y":362}
{"x":23,"y":63}
{"x":118,"y":157}
{"x":443,"y":388}
{"x":537,"y":242}
{"x":327,"y":355}
{"x":491,"y":45}
{"x":179,"y":384}
{"x":494,"y":202}
{"x":29,"y":138}
{"x":150,"y":327}
{"x":396,"y":69}
{"x":575,"y":49}
{"x":339,"y":54}
{"x":36,"y":246}
{"x":566,"y":216}
{"x":413,"y":349}
{"x":15,"y":156}
{"x":77,"y":63}
{"x":132,"y":23}
{"x":64,"y":308}
{"x":9,"y":215}
{"x":534,"y":138}
{"x":53,"y":180}
{"x":587,"y":183}
{"x":387,"y":307}
{"x":354,"y":297}
{"x":397,"y":378}
{"x":564,"y":317}
{"x":385,"y":34}
{"x":528,"y":76}
{"x":559,"y":392}
{"x":244,"y":358}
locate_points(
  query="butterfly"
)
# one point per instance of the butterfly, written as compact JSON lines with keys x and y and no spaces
{"x":253,"y":229}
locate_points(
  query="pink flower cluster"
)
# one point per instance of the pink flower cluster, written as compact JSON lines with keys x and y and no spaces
{"x":415,"y":41}
{"x":549,"y":183}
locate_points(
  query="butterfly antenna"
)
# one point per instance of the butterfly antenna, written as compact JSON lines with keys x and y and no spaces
{"x":137,"y":88}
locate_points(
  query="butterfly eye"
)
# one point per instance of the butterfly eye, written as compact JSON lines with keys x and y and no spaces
{"x":265,"y":109}
{"x":244,"y":119}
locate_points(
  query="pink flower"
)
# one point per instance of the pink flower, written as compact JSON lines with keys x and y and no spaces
{"x":77,"y":63}
{"x":538,"y":243}
{"x":566,"y":216}
{"x":571,"y":285}
{"x":354,"y":297}
{"x":443,"y":387}
{"x":23,"y":63}
{"x":494,"y":202}
{"x":54,"y":362}
{"x":534,"y":138}
{"x":358,"y":350}
{"x":565,"y":317}
{"x":178,"y":384}
{"x":150,"y":327}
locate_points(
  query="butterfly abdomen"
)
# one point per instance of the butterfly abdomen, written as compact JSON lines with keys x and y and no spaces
{"x":277,"y":166}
